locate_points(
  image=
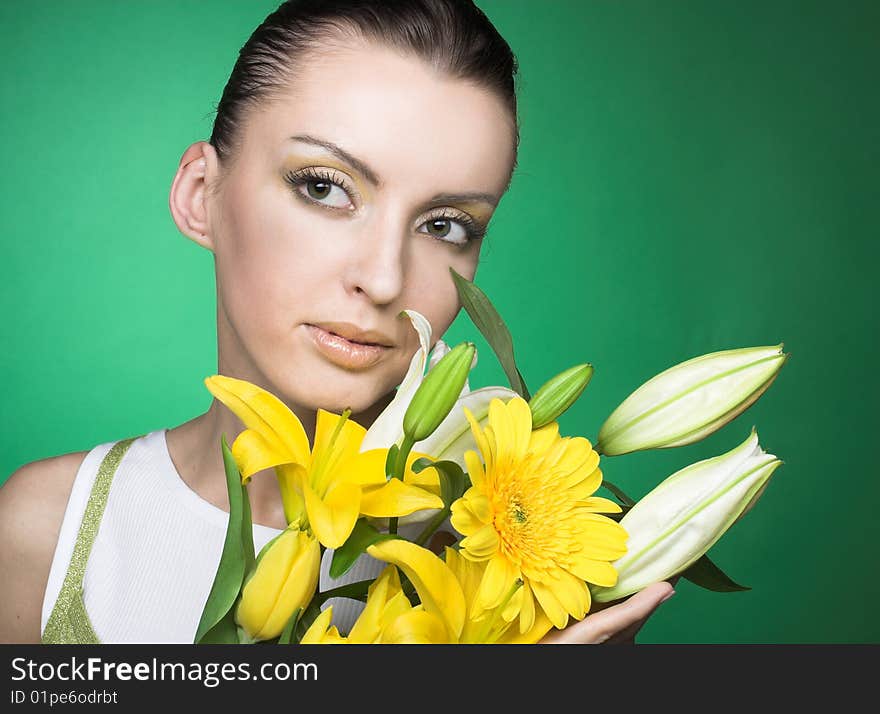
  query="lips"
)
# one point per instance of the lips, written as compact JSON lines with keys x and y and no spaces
{"x":353,"y":333}
{"x":348,"y":346}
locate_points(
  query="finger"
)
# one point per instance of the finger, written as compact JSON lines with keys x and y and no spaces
{"x":628,"y":636}
{"x":601,"y":626}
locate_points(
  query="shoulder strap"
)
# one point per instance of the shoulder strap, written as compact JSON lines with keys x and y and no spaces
{"x":69,"y":623}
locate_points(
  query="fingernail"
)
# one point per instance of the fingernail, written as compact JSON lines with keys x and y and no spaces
{"x":667,"y":597}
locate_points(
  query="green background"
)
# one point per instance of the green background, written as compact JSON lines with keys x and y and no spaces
{"x":694,"y":176}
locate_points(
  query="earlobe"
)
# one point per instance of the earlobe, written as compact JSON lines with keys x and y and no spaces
{"x":188,"y":196}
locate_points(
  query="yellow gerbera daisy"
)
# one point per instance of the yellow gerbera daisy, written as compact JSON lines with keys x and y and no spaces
{"x":531,"y":514}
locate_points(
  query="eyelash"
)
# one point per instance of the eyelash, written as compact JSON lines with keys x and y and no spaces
{"x":474,"y":230}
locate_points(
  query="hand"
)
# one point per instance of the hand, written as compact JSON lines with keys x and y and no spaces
{"x":614,"y":622}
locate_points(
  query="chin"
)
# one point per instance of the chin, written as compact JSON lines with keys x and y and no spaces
{"x":338,"y":399}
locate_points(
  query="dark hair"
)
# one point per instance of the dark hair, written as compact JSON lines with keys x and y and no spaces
{"x":454,"y":36}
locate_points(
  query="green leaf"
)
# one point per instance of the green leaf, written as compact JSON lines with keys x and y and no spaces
{"x":621,"y":496}
{"x":224,"y":632}
{"x":217,"y":612}
{"x":247,"y":532}
{"x":453,"y":481}
{"x":487,"y":320}
{"x":390,"y":460}
{"x":355,"y":591}
{"x":706,"y":574}
{"x":287,"y":632}
{"x":362,"y":536}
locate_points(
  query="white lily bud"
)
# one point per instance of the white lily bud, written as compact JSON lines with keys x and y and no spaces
{"x":675,"y":524}
{"x":690,"y":400}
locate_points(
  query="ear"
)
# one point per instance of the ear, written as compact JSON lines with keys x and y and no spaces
{"x":187,"y":200}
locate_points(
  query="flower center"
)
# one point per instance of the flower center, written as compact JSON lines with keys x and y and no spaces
{"x":516,"y":512}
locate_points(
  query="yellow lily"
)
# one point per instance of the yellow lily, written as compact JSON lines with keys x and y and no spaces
{"x":326,"y":487}
{"x":389,"y":617}
{"x":284,"y":580}
{"x":386,"y":601}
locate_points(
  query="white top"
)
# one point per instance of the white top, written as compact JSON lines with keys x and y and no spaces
{"x":154,"y":558}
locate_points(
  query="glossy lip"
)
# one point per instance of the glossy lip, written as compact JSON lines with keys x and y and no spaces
{"x":344,"y":352}
{"x":353,"y":333}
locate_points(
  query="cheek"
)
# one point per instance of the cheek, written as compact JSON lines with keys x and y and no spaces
{"x":430,"y":289}
{"x":274,"y":259}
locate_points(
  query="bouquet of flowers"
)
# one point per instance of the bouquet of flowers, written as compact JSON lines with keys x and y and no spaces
{"x":530,"y":547}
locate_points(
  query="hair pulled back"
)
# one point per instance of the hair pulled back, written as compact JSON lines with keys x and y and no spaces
{"x":453,"y":36}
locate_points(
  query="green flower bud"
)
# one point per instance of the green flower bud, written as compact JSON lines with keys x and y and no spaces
{"x":558,"y":394}
{"x":438,"y":392}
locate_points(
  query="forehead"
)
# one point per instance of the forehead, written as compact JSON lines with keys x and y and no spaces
{"x":407,"y":121}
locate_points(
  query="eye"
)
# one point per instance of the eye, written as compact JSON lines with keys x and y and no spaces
{"x":326,"y":188}
{"x":327,"y":192}
{"x":459,"y":229}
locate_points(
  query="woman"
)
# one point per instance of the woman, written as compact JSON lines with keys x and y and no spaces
{"x":359,"y":151}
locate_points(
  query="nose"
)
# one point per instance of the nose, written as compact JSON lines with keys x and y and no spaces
{"x":377,"y":264}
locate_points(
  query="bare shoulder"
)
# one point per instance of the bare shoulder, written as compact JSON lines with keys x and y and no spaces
{"x":32,"y":505}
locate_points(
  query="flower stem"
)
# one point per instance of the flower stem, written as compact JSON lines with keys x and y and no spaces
{"x":432,"y":526}
{"x":402,"y":455}
{"x":399,"y":470}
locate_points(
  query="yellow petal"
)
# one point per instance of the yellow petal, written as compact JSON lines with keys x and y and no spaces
{"x":416,"y":627}
{"x":332,"y":519}
{"x":541,"y":439}
{"x":396,"y":498}
{"x":481,"y":543}
{"x":474,"y":468}
{"x":584,"y":484}
{"x":347,"y":441}
{"x":600,"y":537}
{"x":512,"y":426}
{"x":577,"y":462}
{"x":480,"y":438}
{"x":573,"y":594}
{"x":597,"y":572}
{"x":290,"y":478}
{"x":368,"y":625}
{"x":439,"y":591}
{"x":318,"y":629}
{"x":367,"y":467}
{"x":468,"y":573}
{"x":498,"y":580}
{"x":470,"y":512}
{"x":526,"y":608}
{"x":597,"y":504}
{"x":550,"y":604}
{"x":264,"y":413}
{"x":337,"y":444}
{"x":253,"y":453}
{"x":540,"y":627}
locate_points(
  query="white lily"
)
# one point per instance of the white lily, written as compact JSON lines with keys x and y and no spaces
{"x":690,"y":400}
{"x":676,"y":523}
{"x":453,"y":437}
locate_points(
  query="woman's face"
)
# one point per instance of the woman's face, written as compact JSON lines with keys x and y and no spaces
{"x":350,"y":198}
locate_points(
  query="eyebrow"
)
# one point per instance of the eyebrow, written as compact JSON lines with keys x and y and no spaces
{"x":373,"y":177}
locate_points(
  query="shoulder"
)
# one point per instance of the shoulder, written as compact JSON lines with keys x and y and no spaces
{"x":32,"y":505}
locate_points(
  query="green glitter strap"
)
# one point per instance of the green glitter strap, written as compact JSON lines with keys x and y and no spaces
{"x":69,"y":622}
